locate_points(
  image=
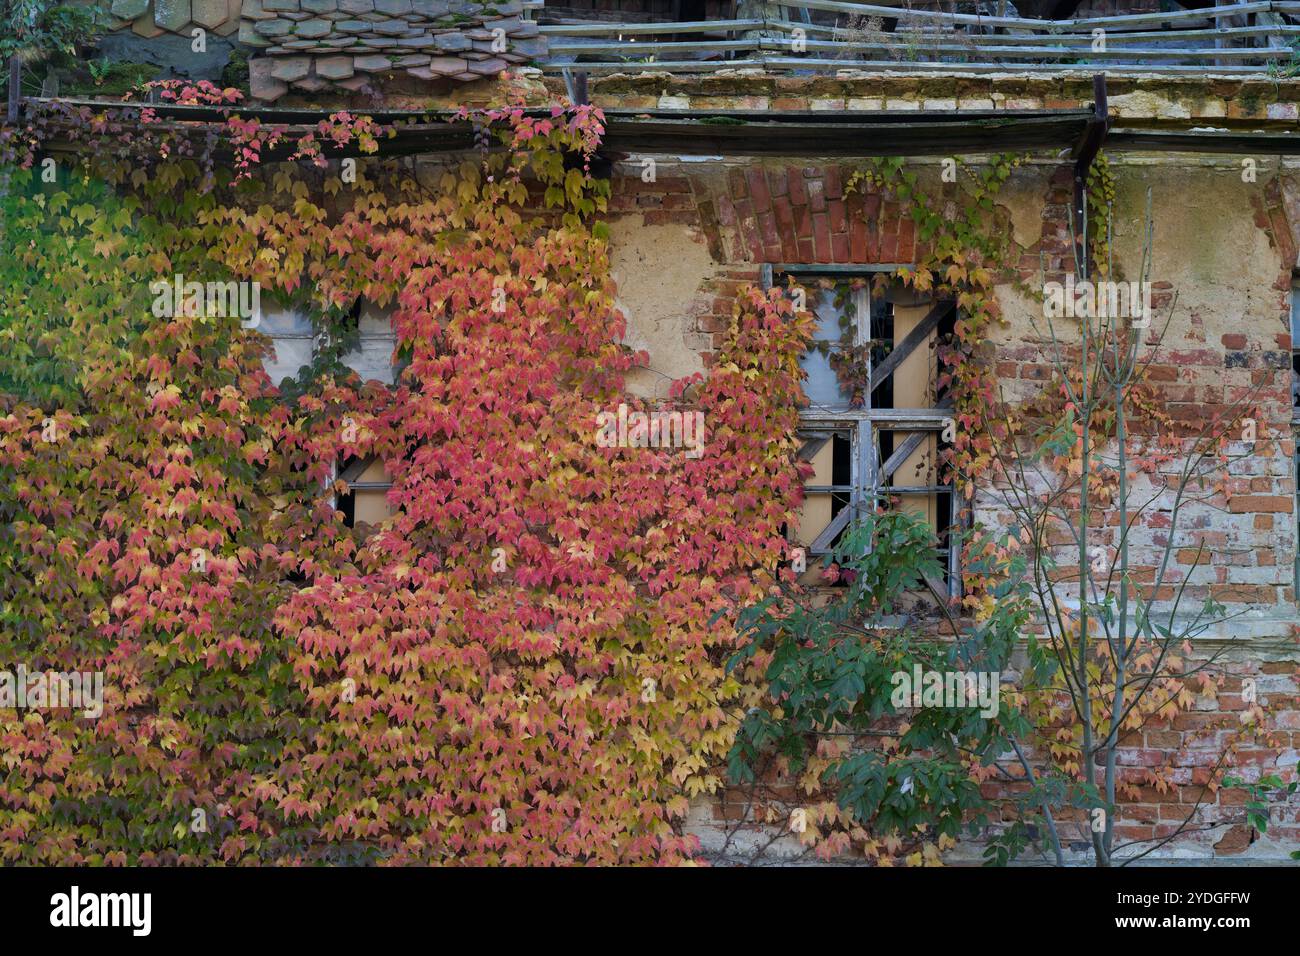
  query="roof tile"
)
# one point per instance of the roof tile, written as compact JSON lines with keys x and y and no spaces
{"x":290,"y":68}
{"x":261,"y":84}
{"x":452,"y":42}
{"x":145,"y":27}
{"x":171,"y":14}
{"x":334,"y":67}
{"x":372,"y":64}
{"x":129,"y":9}
{"x":488,"y":67}
{"x":312,"y":29}
{"x":274,"y":28}
{"x":249,"y":36}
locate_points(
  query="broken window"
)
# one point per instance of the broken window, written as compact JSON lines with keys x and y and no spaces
{"x":373,"y":356}
{"x":366,"y":502}
{"x":873,"y":431}
{"x":295,"y":343}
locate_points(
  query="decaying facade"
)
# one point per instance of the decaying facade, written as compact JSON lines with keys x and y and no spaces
{"x":754,"y":119}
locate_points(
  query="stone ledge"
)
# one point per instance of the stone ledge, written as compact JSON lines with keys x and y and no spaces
{"x":1154,"y":98}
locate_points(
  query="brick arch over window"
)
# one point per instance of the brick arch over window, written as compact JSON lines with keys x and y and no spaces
{"x":788,"y":213}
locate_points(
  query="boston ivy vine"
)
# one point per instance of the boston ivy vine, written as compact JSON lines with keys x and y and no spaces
{"x":519,"y":666}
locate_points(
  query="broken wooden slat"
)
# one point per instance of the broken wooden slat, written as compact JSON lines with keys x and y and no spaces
{"x":824,"y":540}
{"x":914,"y":339}
{"x":649,"y":48}
{"x":638,"y":29}
{"x":795,"y":63}
{"x":808,"y":451}
{"x":1084,"y":23}
{"x":1017,"y":51}
{"x":903,"y":452}
{"x":1048,"y":37}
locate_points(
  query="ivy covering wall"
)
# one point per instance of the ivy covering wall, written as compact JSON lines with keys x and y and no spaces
{"x":524,"y":664}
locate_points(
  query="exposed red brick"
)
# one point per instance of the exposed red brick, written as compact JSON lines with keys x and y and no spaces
{"x":858,"y":240}
{"x":803,"y":223}
{"x":776,"y":183}
{"x":1261,"y":503}
{"x":821,"y":236}
{"x":840,"y":247}
{"x":906,"y":240}
{"x":736,"y":182}
{"x":798,"y":194}
{"x":757,"y":182}
{"x":835,"y":210}
{"x":1235,"y":840}
{"x":834,"y":188}
{"x":816,"y":194}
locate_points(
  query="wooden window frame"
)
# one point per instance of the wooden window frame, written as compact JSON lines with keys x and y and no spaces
{"x":862,"y":426}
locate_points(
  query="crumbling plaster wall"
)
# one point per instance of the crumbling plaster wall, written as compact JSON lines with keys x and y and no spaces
{"x":661,"y":272}
{"x":1223,"y":246}
{"x":1221,"y":263}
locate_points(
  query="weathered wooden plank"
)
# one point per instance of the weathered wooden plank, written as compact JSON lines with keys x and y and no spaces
{"x":910,"y":344}
{"x":1084,"y":23}
{"x":800,"y":268}
{"x":639,"y":29}
{"x":828,"y":535}
{"x":1010,"y":50}
{"x":1204,"y":141}
{"x":648,"y":48}
{"x":809,"y":449}
{"x":794,"y":63}
{"x":904,"y":451}
{"x":888,"y":419}
{"x":1020,"y":37}
{"x":1172,"y":16}
{"x":868,"y":476}
{"x":842,"y":139}
{"x":894,"y":66}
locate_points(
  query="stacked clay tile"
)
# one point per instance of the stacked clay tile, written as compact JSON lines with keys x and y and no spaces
{"x":312,"y":44}
{"x":151,"y":18}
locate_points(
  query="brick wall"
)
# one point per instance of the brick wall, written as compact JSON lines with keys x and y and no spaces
{"x":753,"y":212}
